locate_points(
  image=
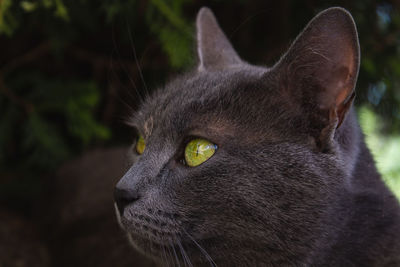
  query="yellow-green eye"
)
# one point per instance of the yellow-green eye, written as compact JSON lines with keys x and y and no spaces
{"x":198,"y":151}
{"x":140,"y":145}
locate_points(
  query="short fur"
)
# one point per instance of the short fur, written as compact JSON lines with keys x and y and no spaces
{"x":292,"y":182}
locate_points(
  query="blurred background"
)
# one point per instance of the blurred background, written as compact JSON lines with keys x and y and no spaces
{"x":72,"y":71}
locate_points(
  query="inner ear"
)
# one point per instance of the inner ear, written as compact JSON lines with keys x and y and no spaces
{"x":213,"y":48}
{"x":320,"y":69}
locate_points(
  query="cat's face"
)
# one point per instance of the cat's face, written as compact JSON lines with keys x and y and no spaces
{"x":264,"y":193}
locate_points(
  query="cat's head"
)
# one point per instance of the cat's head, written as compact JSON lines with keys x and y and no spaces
{"x":236,"y":163}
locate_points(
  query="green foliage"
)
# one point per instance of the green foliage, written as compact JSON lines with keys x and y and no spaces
{"x":61,"y":113}
{"x":173,"y":30}
{"x":56,"y":6}
{"x":164,"y":19}
{"x":385,"y":149}
{"x":10,"y":12}
{"x":42,"y":143}
{"x":379,"y":31}
{"x":7,"y":21}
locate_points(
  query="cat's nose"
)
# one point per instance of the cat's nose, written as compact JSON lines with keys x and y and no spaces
{"x":123,"y":197}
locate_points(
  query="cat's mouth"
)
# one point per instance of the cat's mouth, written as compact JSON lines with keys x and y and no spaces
{"x":163,"y":238}
{"x":164,"y":246}
{"x":161,"y":234}
{"x":175,"y":250}
{"x":159,"y":229}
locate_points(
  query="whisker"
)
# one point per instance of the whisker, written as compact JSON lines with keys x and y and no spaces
{"x":115,"y":81}
{"x":125,"y":69}
{"x":151,"y":243}
{"x":184,"y":255}
{"x":113,"y":74}
{"x":176,"y":256}
{"x":208,"y":257}
{"x":164,"y":257}
{"x":170,"y":256}
{"x":125,"y":104}
{"x":136,"y":59}
{"x":184,"y":260}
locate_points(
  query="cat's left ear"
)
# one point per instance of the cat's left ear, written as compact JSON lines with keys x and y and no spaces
{"x":213,"y":47}
{"x":320,"y":70}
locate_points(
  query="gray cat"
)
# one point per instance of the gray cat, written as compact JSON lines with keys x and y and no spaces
{"x":242,"y":165}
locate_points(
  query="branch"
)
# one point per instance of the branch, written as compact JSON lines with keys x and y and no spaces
{"x":28,"y":107}
{"x":31,"y":55}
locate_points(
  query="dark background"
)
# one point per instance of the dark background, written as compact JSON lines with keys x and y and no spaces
{"x":72,"y":71}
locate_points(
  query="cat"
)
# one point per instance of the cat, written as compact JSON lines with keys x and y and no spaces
{"x":243,"y":165}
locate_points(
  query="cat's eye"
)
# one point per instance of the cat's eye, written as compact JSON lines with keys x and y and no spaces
{"x":140,"y":145}
{"x":198,"y":151}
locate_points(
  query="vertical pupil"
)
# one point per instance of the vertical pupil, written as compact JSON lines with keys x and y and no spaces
{"x":198,"y":151}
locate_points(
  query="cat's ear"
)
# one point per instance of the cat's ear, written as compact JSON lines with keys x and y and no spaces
{"x":213,"y":47}
{"x":320,"y":69}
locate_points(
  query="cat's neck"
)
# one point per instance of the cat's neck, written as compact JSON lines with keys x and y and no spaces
{"x":370,"y":213}
{"x":357,"y":159}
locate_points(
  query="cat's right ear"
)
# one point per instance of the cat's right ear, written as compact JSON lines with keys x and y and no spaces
{"x":213,"y":47}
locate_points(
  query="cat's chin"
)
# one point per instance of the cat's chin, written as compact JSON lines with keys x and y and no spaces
{"x":153,"y":250}
{"x":164,"y":254}
{"x":178,"y":252}
{"x":167,"y":249}
{"x":146,"y":247}
{"x":158,"y":246}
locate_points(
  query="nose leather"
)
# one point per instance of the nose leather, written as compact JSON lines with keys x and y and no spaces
{"x":124,"y":197}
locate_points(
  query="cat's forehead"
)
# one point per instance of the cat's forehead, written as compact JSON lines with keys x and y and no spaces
{"x":192,"y":96}
{"x":179,"y":105}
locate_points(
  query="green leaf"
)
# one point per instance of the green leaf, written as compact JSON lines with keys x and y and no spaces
{"x":28,"y":6}
{"x":177,"y":47}
{"x":43,"y":143}
{"x":385,"y":149}
{"x":61,"y":10}
{"x":8,"y":22}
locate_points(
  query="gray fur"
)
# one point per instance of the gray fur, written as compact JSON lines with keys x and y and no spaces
{"x":213,"y":48}
{"x":292,"y":182}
